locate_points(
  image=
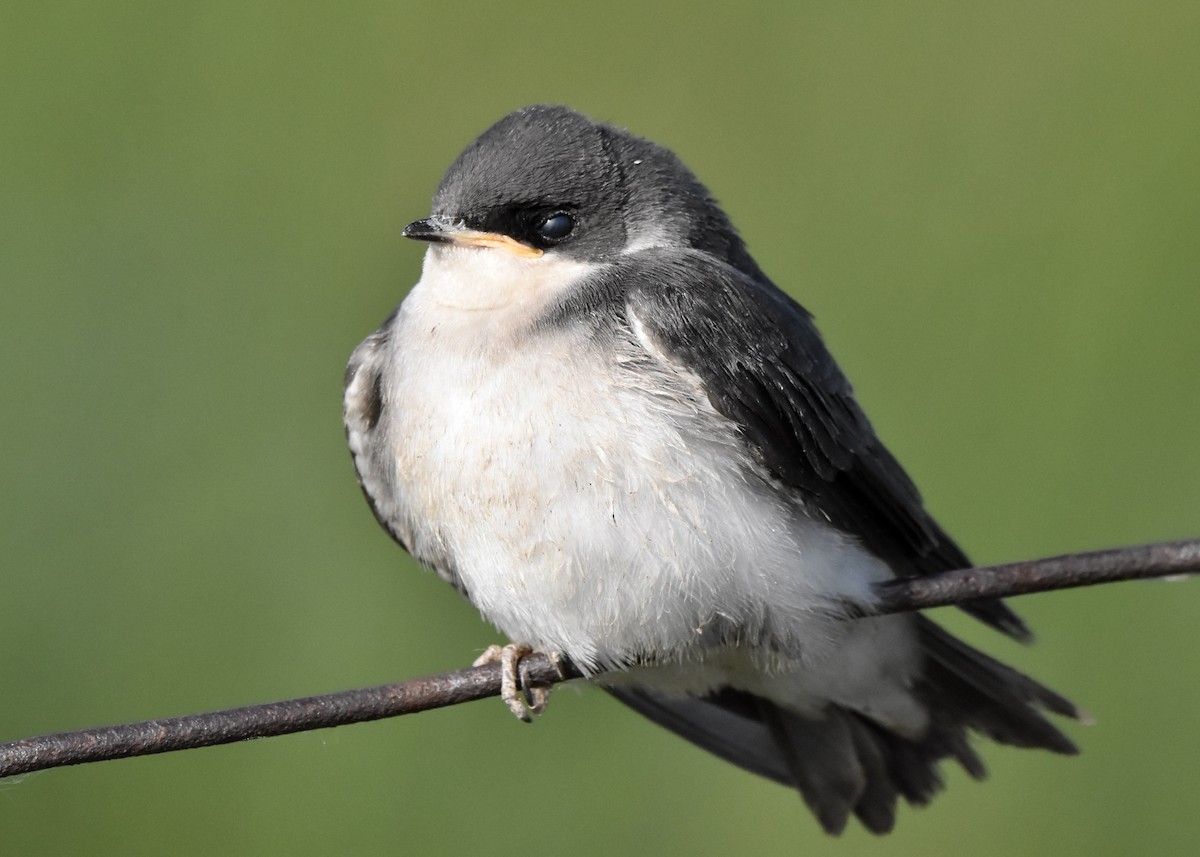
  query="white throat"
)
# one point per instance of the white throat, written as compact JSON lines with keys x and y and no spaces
{"x":486,"y":279}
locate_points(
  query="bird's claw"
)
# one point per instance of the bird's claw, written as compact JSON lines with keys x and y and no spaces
{"x":522,"y":699}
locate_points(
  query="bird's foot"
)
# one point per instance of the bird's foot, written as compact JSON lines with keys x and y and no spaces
{"x":522,"y":699}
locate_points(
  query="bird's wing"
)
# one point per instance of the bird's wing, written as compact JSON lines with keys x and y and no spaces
{"x":764,"y":366}
{"x":363,"y":410}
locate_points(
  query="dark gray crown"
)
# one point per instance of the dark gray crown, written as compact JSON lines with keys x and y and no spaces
{"x":622,"y":189}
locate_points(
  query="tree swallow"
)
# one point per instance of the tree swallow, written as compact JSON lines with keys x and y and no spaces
{"x":601,"y":422}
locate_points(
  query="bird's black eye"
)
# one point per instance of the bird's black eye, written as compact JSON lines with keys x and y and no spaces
{"x":556,"y":227}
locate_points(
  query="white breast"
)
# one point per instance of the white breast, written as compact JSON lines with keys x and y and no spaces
{"x":593,"y":501}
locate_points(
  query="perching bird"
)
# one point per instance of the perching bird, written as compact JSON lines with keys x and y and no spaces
{"x":598,"y":418}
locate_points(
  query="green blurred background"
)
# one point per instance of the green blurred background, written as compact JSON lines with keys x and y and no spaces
{"x":993,"y":210}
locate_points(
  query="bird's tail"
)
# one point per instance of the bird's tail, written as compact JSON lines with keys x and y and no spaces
{"x":844,"y":763}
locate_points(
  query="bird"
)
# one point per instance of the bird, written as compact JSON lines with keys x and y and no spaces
{"x":598,"y":418}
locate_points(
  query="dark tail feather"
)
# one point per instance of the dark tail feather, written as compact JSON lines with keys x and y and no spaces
{"x":843,"y":763}
{"x":823,"y":759}
{"x":967,"y":688}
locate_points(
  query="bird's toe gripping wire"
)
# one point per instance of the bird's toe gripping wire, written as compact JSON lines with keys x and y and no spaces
{"x":522,"y":698}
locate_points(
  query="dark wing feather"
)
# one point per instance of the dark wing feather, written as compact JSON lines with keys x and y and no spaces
{"x":764,"y":366}
{"x":727,"y":724}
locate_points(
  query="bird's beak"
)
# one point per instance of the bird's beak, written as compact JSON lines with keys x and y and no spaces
{"x":445,"y":231}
